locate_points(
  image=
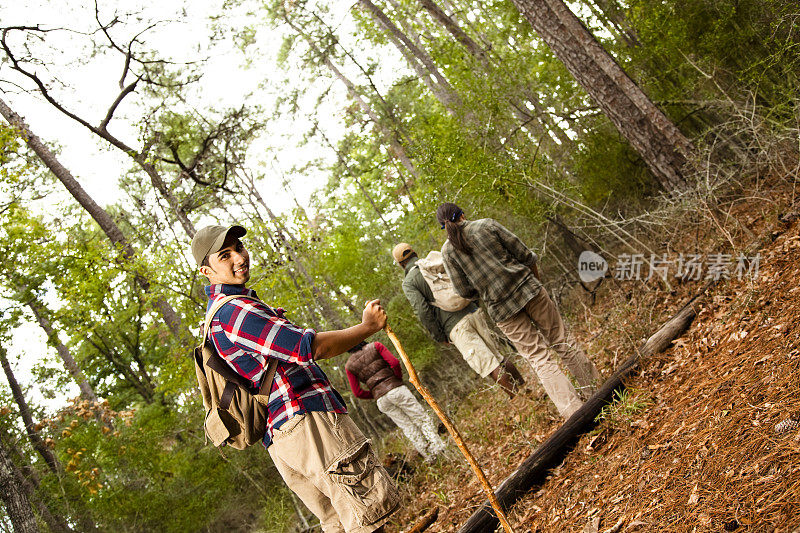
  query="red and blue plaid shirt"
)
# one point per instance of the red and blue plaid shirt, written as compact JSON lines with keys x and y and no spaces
{"x":247,"y":333}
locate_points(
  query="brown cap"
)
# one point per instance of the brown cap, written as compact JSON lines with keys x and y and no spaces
{"x":210,"y":239}
{"x":402,"y":252}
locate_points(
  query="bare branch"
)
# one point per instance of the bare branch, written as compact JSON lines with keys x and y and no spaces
{"x":125,"y":69}
{"x":125,"y":92}
{"x":15,"y":65}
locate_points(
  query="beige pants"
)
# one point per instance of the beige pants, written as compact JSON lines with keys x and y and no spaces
{"x":325,"y":459}
{"x":473,"y":338}
{"x":532,"y":330}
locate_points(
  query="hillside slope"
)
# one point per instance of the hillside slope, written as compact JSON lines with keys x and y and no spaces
{"x":691,"y":445}
{"x":700,"y":442}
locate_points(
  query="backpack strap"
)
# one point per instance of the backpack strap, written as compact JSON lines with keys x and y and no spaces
{"x":230,"y":386}
{"x":213,"y":311}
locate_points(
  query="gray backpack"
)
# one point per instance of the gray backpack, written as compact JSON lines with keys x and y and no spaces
{"x":235,"y":416}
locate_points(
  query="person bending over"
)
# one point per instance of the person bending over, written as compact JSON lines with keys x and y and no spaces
{"x":375,"y":366}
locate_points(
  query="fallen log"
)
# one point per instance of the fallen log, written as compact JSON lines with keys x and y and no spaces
{"x":552,"y":451}
{"x":425,"y":522}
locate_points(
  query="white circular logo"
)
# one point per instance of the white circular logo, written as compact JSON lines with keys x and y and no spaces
{"x":591,"y":266}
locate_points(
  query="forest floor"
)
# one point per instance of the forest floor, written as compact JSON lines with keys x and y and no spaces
{"x":692,"y":443}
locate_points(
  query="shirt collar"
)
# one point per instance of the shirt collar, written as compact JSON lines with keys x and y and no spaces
{"x":212,"y":291}
{"x":410,"y":264}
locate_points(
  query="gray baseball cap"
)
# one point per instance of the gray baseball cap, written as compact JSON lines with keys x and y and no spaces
{"x":210,"y":239}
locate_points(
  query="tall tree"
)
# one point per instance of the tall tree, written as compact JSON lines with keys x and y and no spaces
{"x":28,"y":480}
{"x":539,"y":122}
{"x":140,"y":156}
{"x":420,"y":61}
{"x":103,"y":219}
{"x":390,"y":136}
{"x":17,"y":505}
{"x":662,"y":146}
{"x":42,"y":318}
{"x":292,"y":245}
{"x":27,"y":418}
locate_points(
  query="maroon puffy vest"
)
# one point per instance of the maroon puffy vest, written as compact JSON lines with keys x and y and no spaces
{"x":373,"y":370}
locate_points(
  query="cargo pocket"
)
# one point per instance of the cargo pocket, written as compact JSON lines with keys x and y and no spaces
{"x":367,"y":485}
{"x":220,"y":426}
{"x":287,"y":427}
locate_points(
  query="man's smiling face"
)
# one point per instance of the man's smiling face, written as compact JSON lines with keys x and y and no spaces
{"x":231,"y":265}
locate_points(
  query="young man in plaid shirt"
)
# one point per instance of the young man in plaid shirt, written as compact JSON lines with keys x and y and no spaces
{"x":320,"y":453}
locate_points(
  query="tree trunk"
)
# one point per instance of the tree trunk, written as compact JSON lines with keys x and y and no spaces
{"x":455,"y":30}
{"x":27,"y":418}
{"x":163,"y":190}
{"x":395,"y":148}
{"x":575,"y":244}
{"x":28,"y":478}
{"x":41,"y":314}
{"x":63,"y":352}
{"x":389,"y":136}
{"x":87,"y":392}
{"x":106,"y":223}
{"x":662,"y":146}
{"x":425,"y":521}
{"x":538,"y":124}
{"x":419,"y":60}
{"x":17,"y":505}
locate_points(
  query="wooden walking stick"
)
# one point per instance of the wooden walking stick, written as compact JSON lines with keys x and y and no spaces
{"x":412,"y":377}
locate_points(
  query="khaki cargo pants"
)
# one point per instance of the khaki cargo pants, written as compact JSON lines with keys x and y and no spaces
{"x":539,"y":326}
{"x":325,"y":459}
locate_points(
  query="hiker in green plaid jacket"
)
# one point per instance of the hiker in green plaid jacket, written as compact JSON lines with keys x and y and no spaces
{"x":485,"y":260}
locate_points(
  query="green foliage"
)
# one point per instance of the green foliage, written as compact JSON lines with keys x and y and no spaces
{"x":629,"y":180}
{"x":20,"y":180}
{"x":152,"y":471}
{"x":149,"y":461}
{"x":9,"y":148}
{"x":624,"y":406}
{"x":703,"y":48}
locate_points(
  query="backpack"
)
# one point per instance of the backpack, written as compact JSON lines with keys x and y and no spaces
{"x":234,"y":415}
{"x":444,"y":294}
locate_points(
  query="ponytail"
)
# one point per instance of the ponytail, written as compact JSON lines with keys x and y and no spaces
{"x":448,"y":215}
